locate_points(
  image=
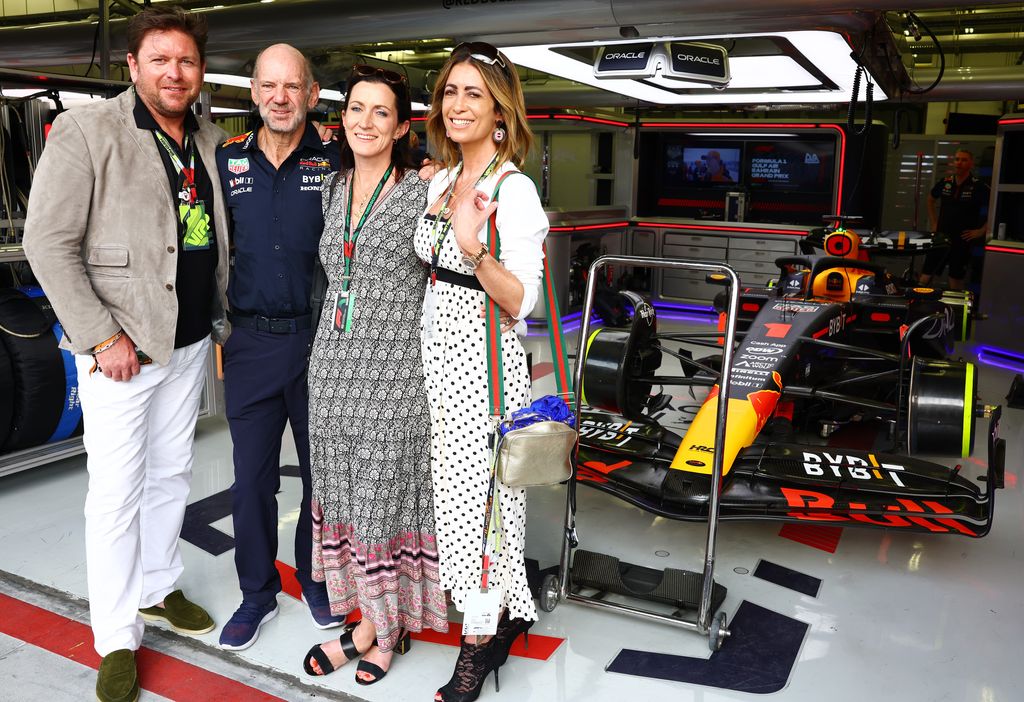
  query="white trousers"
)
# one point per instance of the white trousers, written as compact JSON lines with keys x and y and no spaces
{"x":138,"y":435}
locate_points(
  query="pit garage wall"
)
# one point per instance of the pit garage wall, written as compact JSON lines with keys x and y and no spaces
{"x":571,"y":156}
{"x":998,"y":332}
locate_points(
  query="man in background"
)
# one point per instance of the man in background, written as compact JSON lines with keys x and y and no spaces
{"x":272,"y":179}
{"x":962,"y":200}
{"x":126,"y":232}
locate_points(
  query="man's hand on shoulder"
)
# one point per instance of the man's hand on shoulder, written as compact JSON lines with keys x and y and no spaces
{"x":326,"y":133}
{"x":428,"y":169}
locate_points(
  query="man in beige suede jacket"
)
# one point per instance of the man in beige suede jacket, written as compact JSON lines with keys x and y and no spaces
{"x":127,"y":234}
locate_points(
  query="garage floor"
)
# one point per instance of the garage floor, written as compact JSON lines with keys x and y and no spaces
{"x":897,"y":616}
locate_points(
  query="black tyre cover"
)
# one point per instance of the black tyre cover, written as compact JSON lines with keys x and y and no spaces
{"x":46,"y":406}
{"x":6,"y":394}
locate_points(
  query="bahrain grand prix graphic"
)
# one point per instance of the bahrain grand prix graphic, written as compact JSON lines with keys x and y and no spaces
{"x":841,"y":384}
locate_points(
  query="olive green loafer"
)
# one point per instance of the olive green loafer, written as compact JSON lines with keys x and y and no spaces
{"x":184,"y":617}
{"x":117,"y":680}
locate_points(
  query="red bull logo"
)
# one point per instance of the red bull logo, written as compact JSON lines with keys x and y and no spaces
{"x":764,"y":401}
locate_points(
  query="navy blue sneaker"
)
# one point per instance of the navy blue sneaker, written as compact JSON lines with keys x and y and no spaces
{"x":320,"y":609}
{"x":243,"y":628}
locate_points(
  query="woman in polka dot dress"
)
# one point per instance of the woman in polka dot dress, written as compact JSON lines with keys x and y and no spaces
{"x":478,"y":124}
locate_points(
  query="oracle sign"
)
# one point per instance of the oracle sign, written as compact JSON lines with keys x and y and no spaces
{"x":690,"y":61}
{"x":625,"y":60}
{"x":706,"y":63}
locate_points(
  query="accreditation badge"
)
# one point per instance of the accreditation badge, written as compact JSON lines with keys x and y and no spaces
{"x":483,"y":610}
{"x":197,"y":226}
{"x":344,"y":305}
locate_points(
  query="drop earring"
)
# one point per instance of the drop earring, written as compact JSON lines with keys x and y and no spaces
{"x":499,"y":133}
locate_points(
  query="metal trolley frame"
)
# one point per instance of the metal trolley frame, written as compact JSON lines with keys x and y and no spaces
{"x":557,"y":587}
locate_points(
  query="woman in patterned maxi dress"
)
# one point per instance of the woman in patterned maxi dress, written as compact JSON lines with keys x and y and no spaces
{"x":373,"y":525}
{"x":478,"y":126}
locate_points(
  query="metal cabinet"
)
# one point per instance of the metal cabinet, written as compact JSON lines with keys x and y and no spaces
{"x":753,"y":257}
{"x":685,"y":284}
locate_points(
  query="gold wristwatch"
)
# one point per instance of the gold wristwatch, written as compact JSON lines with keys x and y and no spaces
{"x":471,"y":262}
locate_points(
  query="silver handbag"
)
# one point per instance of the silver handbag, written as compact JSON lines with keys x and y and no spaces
{"x":538,"y":454}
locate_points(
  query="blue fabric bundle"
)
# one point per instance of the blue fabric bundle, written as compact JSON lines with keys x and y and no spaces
{"x":550,"y":408}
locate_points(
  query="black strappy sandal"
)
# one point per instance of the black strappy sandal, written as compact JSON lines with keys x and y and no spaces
{"x":378,"y":673}
{"x":348,"y":648}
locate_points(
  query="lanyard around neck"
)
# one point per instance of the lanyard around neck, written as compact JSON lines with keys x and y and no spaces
{"x":442,"y":226}
{"x":352,"y":235}
{"x":189,"y":174}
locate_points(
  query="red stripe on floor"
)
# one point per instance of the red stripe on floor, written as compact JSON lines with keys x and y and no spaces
{"x":289,"y":583}
{"x":541,"y":647}
{"x":158,"y":673}
{"x":825,"y":538}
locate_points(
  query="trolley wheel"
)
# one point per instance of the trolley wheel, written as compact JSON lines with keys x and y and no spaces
{"x":549,"y":592}
{"x":717,"y":632}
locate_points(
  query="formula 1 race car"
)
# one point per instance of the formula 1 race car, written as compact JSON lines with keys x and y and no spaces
{"x":840,"y":380}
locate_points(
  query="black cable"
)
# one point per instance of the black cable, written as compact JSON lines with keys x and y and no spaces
{"x":853,"y":98}
{"x":95,"y":41}
{"x":897,"y":130}
{"x":868,"y":100}
{"x":848,"y":195}
{"x":938,"y":47}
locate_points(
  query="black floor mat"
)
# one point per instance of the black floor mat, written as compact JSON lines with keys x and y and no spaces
{"x":757,"y":658}
{"x":787,"y":577}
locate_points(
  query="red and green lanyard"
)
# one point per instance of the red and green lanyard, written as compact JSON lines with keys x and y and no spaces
{"x":351,"y":235}
{"x":344,"y":304}
{"x":491,"y":542}
{"x":191,"y":210}
{"x":439,"y":235}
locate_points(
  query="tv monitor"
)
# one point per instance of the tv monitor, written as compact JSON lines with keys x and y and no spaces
{"x":690,"y":164}
{"x":804,"y":165}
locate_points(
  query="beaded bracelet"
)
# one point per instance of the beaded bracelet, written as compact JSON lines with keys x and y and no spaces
{"x":108,"y":343}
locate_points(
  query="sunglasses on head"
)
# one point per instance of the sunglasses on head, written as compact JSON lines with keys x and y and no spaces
{"x":363,"y":71}
{"x":481,"y":51}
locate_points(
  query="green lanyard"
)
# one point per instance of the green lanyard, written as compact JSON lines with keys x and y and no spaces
{"x":440,"y":236}
{"x":349,"y":249}
{"x":189,"y":174}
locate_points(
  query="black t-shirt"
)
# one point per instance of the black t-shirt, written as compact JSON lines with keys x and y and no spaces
{"x":195,"y":281}
{"x":962,"y":206}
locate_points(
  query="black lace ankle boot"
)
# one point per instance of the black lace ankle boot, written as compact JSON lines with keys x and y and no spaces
{"x":508,"y":631}
{"x":475,"y":662}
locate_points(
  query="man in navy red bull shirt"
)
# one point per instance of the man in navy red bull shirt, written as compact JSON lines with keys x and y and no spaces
{"x":271,"y":178}
{"x":962,"y":218}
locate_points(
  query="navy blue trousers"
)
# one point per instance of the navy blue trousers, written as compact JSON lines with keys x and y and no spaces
{"x":265,"y":386}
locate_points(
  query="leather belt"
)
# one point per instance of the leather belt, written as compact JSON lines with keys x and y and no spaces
{"x":273,"y":325}
{"x":451,"y":277}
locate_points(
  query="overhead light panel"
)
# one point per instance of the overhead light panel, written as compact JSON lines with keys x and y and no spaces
{"x":814,"y":67}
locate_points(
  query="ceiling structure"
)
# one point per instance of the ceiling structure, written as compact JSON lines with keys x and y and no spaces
{"x":554,"y":43}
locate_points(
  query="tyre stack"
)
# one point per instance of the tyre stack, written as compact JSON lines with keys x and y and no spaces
{"x":38,"y":381}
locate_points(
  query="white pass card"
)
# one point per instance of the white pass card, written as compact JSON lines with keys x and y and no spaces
{"x":482,"y":610}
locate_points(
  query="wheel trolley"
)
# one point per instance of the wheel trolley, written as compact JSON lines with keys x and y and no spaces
{"x":599,"y":571}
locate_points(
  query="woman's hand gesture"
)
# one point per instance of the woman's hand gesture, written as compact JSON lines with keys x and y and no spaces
{"x":470,"y":214}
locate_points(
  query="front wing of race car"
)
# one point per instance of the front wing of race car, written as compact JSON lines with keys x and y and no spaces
{"x":789,"y":482}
